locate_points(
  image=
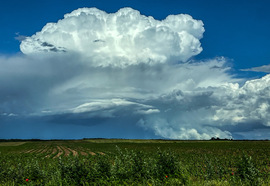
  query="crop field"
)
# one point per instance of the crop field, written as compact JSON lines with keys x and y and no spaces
{"x":134,"y":162}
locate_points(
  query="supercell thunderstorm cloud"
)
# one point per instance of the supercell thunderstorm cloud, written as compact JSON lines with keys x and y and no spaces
{"x":95,"y":74}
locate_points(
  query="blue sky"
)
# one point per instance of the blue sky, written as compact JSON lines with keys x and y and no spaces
{"x":133,"y":76}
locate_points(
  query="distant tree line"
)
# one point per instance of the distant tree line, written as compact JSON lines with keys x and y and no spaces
{"x":220,"y":139}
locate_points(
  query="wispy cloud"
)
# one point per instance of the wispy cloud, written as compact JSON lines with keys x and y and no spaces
{"x":19,"y":37}
{"x":264,"y":68}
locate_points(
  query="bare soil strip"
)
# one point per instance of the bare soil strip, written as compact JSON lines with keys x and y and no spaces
{"x":83,"y":153}
{"x":67,"y":152}
{"x":60,"y":152}
{"x":75,"y":153}
{"x":44,"y":150}
{"x":41,"y":149}
{"x":53,"y":152}
{"x":101,"y":153}
{"x":30,"y":151}
{"x":48,"y":152}
{"x":35,"y":151}
{"x":92,"y":153}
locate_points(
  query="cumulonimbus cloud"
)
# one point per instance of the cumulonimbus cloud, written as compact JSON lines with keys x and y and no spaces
{"x":125,"y":67}
{"x":119,"y":39}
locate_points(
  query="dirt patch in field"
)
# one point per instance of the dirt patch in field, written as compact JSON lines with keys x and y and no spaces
{"x":60,"y":152}
{"x":53,"y":152}
{"x":67,"y":152}
{"x":35,"y":150}
{"x":74,"y":153}
{"x":11,"y":143}
{"x":41,"y":149}
{"x":30,"y":151}
{"x":48,"y":152}
{"x":92,"y":153}
{"x":83,"y":153}
{"x":101,"y":153}
{"x":44,"y":150}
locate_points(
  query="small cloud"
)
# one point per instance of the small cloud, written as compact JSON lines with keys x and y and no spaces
{"x":9,"y":114}
{"x":149,"y":111}
{"x":46,"y":111}
{"x":112,"y":105}
{"x":20,"y":37}
{"x":264,"y":68}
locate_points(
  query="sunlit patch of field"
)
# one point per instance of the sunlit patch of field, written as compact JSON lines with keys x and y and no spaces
{"x":11,"y":143}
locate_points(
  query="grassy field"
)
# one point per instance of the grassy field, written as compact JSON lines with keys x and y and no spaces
{"x":134,"y":162}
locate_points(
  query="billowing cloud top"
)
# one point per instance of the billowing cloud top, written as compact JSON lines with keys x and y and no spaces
{"x":119,"y":39}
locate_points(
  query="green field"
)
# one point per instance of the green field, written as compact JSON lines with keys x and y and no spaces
{"x":134,"y":162}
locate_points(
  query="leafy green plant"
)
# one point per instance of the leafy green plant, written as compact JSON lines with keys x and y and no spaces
{"x":247,"y":171}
